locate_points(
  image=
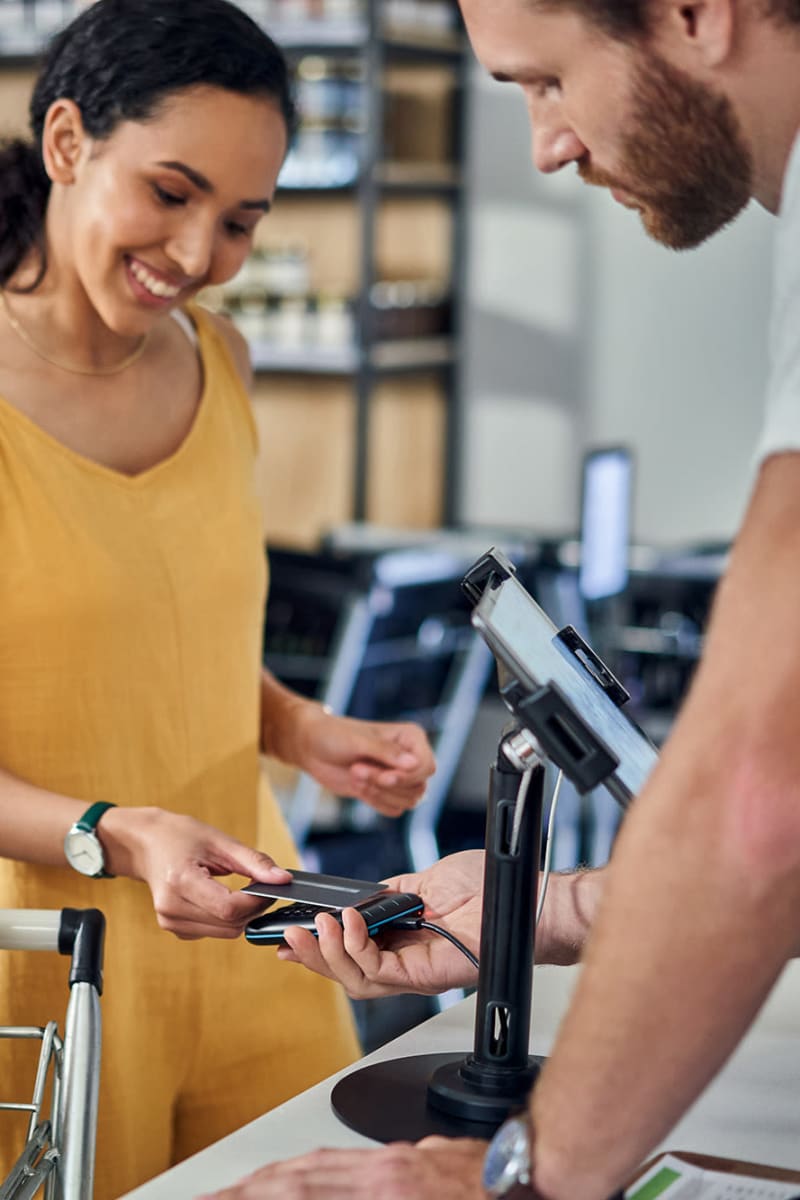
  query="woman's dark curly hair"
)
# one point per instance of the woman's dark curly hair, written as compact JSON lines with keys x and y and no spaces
{"x":118,"y":61}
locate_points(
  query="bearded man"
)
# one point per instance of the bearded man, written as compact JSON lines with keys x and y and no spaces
{"x":685,"y":110}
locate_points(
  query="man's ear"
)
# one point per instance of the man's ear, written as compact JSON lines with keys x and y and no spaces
{"x":697,"y":33}
{"x":64,"y":140}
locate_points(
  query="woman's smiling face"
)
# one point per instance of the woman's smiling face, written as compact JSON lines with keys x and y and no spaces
{"x":161,"y":208}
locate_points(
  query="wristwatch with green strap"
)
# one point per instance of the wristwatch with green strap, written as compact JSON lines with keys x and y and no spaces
{"x":82,"y":846}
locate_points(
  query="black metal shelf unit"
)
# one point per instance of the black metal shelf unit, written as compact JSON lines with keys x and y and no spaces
{"x":373,"y":357}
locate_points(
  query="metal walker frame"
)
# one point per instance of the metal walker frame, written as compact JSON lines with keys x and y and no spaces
{"x":60,"y":1148}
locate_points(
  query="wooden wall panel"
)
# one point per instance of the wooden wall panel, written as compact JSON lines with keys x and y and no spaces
{"x":419,"y":114}
{"x":407,"y":431}
{"x":15,"y":93}
{"x":413,"y":240}
{"x":306,"y":463}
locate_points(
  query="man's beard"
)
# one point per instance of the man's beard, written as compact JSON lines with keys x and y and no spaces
{"x":685,"y":162}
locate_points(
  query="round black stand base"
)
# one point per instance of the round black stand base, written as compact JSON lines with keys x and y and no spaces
{"x":388,"y":1101}
{"x":469,"y":1092}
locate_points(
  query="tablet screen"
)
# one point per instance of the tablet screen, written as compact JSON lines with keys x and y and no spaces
{"x":525,"y":640}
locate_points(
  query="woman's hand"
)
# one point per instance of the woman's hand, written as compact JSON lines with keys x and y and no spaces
{"x":385,"y":764}
{"x":400,"y":961}
{"x":178,"y":858}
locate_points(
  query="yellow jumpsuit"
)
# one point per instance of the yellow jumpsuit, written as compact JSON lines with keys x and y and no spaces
{"x":130,"y":641}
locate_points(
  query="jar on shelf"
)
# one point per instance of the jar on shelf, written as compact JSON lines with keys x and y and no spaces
{"x":330,"y":89}
{"x":334,"y":328}
{"x":249,"y":315}
{"x":433,"y":16}
{"x":286,"y":270}
{"x":289,"y":322}
{"x":246,"y":277}
{"x":406,"y":308}
{"x":323,"y":156}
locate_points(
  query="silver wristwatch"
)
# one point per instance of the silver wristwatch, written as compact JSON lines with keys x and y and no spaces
{"x":82,"y":847}
{"x":507,"y":1165}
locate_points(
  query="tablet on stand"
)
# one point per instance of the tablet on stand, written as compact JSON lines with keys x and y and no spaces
{"x":567,"y":708}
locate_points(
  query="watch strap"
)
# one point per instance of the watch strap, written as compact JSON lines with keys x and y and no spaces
{"x":88,"y":822}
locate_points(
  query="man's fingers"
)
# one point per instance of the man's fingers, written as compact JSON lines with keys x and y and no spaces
{"x":344,"y":951}
{"x":355,"y":965}
{"x":302,"y":947}
{"x":355,"y":938}
{"x":473,"y":1145}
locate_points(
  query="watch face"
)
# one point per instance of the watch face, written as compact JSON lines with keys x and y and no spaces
{"x":507,"y":1160}
{"x":84,"y":852}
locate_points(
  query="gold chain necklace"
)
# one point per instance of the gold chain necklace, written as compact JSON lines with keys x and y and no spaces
{"x":25,"y":337}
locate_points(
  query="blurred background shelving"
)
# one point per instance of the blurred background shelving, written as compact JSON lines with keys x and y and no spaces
{"x":352,"y":303}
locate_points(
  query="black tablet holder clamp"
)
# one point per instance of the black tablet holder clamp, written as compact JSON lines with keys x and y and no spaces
{"x":453,"y":1094}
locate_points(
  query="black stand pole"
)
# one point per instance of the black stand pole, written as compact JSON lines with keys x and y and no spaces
{"x":450,"y":1094}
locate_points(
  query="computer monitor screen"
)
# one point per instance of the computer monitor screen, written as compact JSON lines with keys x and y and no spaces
{"x":605,"y":522}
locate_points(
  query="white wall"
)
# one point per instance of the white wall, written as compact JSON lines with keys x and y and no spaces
{"x":582,"y":331}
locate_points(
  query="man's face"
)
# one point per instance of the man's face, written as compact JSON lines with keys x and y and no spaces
{"x":663,"y":143}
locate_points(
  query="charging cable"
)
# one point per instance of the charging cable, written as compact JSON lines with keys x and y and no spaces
{"x":418,"y":923}
{"x":548,"y":849}
{"x":519,"y":809}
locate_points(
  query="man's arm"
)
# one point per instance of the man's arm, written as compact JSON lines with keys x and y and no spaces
{"x":700,"y":909}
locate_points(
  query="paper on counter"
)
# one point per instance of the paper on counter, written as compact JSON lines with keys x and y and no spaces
{"x":670,"y":1178}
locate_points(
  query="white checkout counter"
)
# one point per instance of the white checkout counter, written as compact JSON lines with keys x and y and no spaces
{"x":751,"y":1111}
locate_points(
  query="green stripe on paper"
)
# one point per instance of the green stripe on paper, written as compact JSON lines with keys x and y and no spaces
{"x":656,"y":1185}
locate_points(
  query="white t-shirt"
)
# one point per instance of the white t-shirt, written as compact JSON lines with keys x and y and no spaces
{"x":782,"y":424}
